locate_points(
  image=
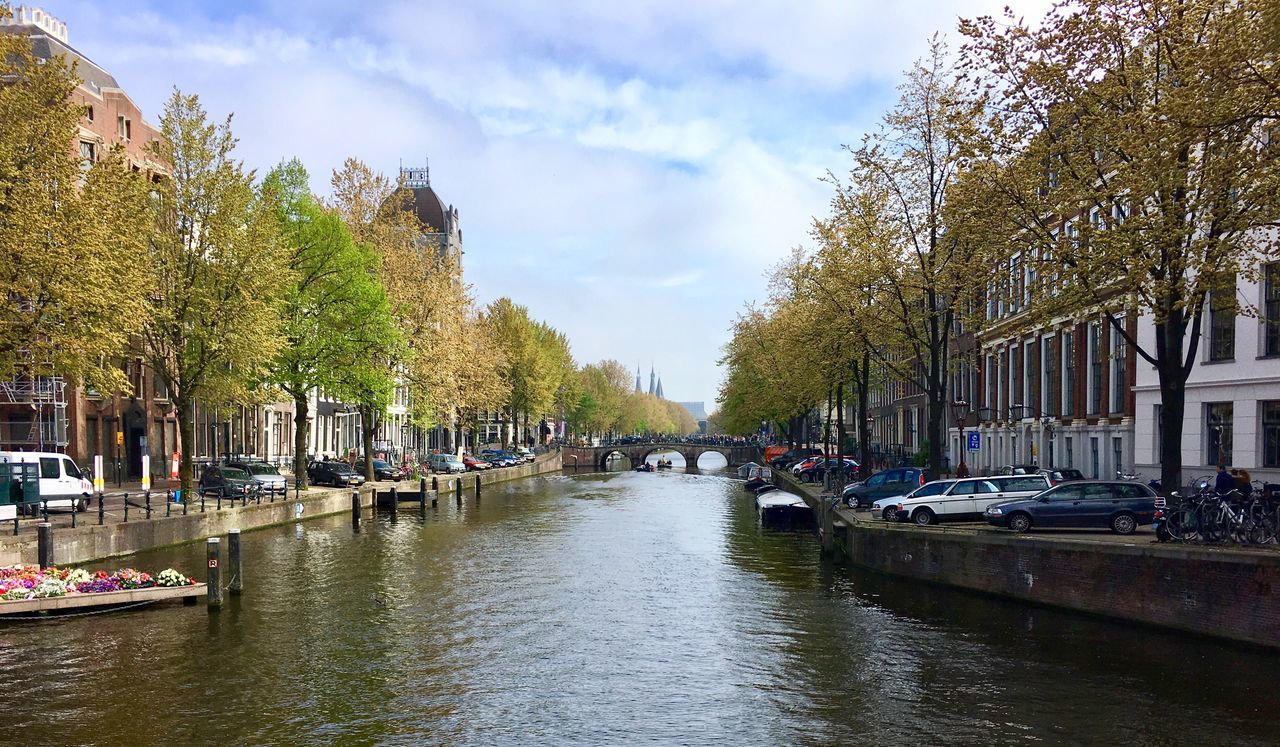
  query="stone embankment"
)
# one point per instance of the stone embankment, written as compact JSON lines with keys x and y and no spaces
{"x":93,"y":542}
{"x":1225,"y":592}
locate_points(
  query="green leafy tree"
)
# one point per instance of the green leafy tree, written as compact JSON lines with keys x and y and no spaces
{"x":336,"y":315}
{"x":70,"y":241}
{"x":217,"y":269}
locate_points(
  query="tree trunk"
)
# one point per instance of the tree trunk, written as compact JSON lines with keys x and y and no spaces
{"x":839,"y":481}
{"x":183,"y":414}
{"x":300,"y":409}
{"x":863,"y":379}
{"x":370,"y":419}
{"x":933,"y":433}
{"x":1173,"y":401}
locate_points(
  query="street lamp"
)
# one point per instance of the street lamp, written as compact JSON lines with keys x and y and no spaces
{"x":960,"y":411}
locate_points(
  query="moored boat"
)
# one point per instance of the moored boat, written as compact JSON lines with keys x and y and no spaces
{"x":778,"y":508}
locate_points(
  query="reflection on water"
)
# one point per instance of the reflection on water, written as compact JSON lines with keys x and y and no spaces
{"x":613,"y":608}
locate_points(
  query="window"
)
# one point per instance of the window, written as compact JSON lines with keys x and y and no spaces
{"x":1068,"y":374}
{"x":1271,"y":309}
{"x":991,"y":382}
{"x":1071,"y":459}
{"x":1130,"y":491}
{"x":88,"y":113}
{"x":1016,"y":288}
{"x":1098,"y":493}
{"x":1066,"y":493}
{"x":1117,"y":453}
{"x":975,"y":487}
{"x":70,"y":468}
{"x":1094,"y":466}
{"x":1095,"y":368}
{"x":933,"y":488}
{"x":1015,"y":369}
{"x":1222,"y":324}
{"x":1119,"y":381}
{"x":88,"y":155}
{"x":1219,"y":419}
{"x":1047,"y":373}
{"x":1271,"y":434}
{"x":1028,"y":370}
{"x":49,"y":468}
{"x":1028,"y":483}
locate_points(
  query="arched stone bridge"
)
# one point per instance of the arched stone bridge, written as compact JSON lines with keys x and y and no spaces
{"x":594,"y":457}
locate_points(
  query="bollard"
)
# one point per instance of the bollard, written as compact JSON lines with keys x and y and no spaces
{"x":219,"y":500}
{"x":435,"y":484}
{"x":126,"y":508}
{"x":435,"y":498}
{"x":457,"y":490}
{"x":422,"y":492}
{"x":355,"y":510}
{"x":477,"y":490}
{"x":168,"y":502}
{"x":214,"y":578}
{"x":74,"y":510}
{"x":395,"y":499}
{"x":44,"y":509}
{"x":102,"y":511}
{"x":235,"y":583}
{"x":44,"y":542}
{"x":15,"y":526}
{"x":147,"y":500}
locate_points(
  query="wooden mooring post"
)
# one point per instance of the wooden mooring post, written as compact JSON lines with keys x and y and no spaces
{"x":395,"y":501}
{"x":214,"y":574}
{"x":422,"y":493}
{"x":477,"y":490}
{"x":355,"y":509}
{"x":44,"y":543}
{"x":235,"y":581}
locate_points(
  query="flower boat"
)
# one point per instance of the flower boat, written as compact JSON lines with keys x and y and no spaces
{"x":28,"y":589}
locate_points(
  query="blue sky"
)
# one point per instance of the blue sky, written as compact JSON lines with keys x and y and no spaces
{"x":628,"y":171}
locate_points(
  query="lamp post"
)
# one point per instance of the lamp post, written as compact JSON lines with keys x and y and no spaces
{"x":960,"y":411}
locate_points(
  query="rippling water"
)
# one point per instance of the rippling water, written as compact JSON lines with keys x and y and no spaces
{"x":614,"y":608}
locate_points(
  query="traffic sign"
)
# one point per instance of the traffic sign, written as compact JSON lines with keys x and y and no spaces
{"x":974,"y":440}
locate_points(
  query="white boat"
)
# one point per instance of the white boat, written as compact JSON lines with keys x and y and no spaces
{"x":778,"y":507}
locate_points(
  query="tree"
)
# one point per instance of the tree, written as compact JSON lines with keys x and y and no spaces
{"x":536,"y":359}
{"x":904,"y":176}
{"x":1136,"y":144}
{"x":217,"y":270}
{"x":72,"y":242}
{"x":336,"y":315}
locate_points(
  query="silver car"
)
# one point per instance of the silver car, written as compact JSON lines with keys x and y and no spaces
{"x":267,"y":476}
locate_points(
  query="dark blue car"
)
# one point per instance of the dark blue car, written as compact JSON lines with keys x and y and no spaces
{"x":1119,"y":505}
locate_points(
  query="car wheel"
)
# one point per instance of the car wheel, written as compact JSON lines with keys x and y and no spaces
{"x":1020,"y":522}
{"x":923,"y":517}
{"x":888,"y":514}
{"x":1123,"y":524}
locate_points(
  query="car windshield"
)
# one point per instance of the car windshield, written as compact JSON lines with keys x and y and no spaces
{"x":933,"y":488}
{"x":379,"y":464}
{"x":262,"y":469}
{"x":231,"y":473}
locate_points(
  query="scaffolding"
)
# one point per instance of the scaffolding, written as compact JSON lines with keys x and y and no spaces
{"x":47,"y":398}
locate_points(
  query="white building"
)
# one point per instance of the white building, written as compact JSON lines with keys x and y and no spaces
{"x":1232,"y":411}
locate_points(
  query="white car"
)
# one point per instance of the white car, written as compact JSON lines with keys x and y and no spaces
{"x":964,"y":499}
{"x":884,"y":508}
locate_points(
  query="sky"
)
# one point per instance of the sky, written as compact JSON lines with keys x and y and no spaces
{"x":627,"y":171}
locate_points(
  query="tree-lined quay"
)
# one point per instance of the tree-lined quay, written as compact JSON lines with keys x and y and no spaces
{"x":1045,"y":217}
{"x":251,"y":294}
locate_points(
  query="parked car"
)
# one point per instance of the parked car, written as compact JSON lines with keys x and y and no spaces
{"x":791,"y":455}
{"x":804,"y":464}
{"x":382,"y":470}
{"x":1121,"y":505}
{"x":337,"y":474}
{"x":62,"y":483}
{"x":890,"y":482}
{"x":964,"y":499}
{"x":446,"y":463}
{"x":499,"y":458}
{"x":1070,"y":474}
{"x":817,"y":471}
{"x":267,"y":476}
{"x":228,"y":482}
{"x":526,"y":453}
{"x":475,"y":465}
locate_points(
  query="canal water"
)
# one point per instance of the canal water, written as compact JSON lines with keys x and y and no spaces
{"x":615,"y":608}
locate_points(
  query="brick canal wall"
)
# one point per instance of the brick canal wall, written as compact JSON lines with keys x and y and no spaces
{"x":86,"y":543}
{"x":1229,"y":593}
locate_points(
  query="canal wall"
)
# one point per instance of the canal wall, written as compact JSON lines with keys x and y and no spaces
{"x":86,"y":543}
{"x":1225,"y":592}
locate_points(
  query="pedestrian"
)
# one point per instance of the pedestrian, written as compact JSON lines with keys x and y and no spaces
{"x":1223,"y":483}
{"x":1243,"y":482}
{"x":962,"y":470}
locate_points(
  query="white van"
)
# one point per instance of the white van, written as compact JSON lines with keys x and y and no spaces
{"x":62,"y":483}
{"x":965,"y":499}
